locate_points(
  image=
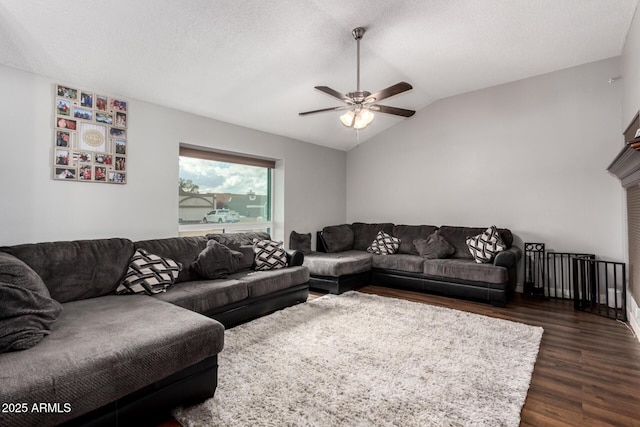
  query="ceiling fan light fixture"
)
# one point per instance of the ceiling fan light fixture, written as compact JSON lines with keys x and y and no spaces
{"x":363,"y":119}
{"x":348,"y":118}
{"x":359,"y":120}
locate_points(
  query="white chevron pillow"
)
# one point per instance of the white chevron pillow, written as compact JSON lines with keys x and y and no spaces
{"x":269,"y":255}
{"x":485,"y":246}
{"x":384,"y":244}
{"x":148,"y":273}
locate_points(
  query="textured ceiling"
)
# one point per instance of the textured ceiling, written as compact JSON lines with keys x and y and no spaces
{"x":255,"y":63}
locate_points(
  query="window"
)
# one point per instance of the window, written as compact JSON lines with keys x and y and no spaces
{"x":221,"y":192}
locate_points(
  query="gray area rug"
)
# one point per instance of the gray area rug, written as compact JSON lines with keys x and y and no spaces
{"x":366,"y":360}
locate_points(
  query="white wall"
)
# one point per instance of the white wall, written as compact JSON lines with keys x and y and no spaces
{"x":530,"y":155}
{"x":630,"y":106}
{"x":310,"y":190}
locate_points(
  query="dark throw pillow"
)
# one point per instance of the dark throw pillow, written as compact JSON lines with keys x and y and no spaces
{"x":300,"y":242}
{"x":269,"y":255}
{"x":485,"y":246}
{"x":26,"y":307}
{"x":216,"y":261}
{"x":338,"y":238}
{"x":149,"y":274}
{"x":384,"y":244}
{"x":434,"y":247}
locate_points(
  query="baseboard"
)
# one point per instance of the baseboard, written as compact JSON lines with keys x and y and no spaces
{"x":519,"y":288}
{"x":633,"y":313}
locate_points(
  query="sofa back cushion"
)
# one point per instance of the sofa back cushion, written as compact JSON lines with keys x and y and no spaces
{"x":457,"y":236}
{"x":408,"y":233}
{"x":365,"y":234}
{"x":235,"y":240}
{"x":338,"y":238}
{"x":184,"y":250}
{"x":78,"y":269}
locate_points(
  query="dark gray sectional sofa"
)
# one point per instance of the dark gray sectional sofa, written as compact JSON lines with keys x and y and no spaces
{"x":341,"y":262}
{"x":116,"y":359}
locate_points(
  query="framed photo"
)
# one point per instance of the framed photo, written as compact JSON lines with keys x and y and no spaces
{"x":117,"y":177}
{"x":117,"y":133}
{"x":120,"y":163}
{"x":121,"y":120}
{"x":100,"y":173}
{"x":62,"y":157}
{"x":65,"y":173}
{"x":118,"y":105}
{"x":63,"y":107}
{"x":63,"y":138}
{"x":85,"y":173}
{"x":63,"y":123}
{"x":102,"y":102}
{"x":83,"y":157}
{"x":104,"y":159}
{"x":67,"y":92}
{"x":82,"y":113}
{"x":86,"y":99}
{"x":104,"y":118}
{"x":89,"y":136}
{"x":121,"y":146}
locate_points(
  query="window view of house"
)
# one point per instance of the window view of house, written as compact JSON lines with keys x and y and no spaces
{"x":217,"y":195}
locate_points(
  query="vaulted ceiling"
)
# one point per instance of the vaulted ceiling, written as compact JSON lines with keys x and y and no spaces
{"x":255,"y":63}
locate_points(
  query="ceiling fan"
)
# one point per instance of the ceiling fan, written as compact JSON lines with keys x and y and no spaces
{"x":361,"y":103}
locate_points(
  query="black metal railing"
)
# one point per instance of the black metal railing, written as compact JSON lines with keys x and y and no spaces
{"x":559,"y":283}
{"x":599,"y":287}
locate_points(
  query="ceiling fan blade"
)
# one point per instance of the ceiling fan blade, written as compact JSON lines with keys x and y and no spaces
{"x":334,"y":93}
{"x":392,"y":110}
{"x":343,"y":107}
{"x":388,"y":92}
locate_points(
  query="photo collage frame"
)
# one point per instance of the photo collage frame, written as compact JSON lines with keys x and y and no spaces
{"x":90,"y":136}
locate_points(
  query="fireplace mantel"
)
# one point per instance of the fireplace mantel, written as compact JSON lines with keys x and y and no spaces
{"x":626,"y":166}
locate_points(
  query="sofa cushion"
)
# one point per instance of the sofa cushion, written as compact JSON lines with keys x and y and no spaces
{"x":434,"y":247}
{"x":384,"y":244}
{"x":300,"y":242}
{"x":183,"y":250}
{"x":261,"y":283}
{"x":338,"y":238}
{"x":149,"y":274}
{"x":102,"y":349}
{"x":270,"y":255}
{"x":235,"y":240}
{"x":363,"y":234}
{"x":217,"y":261}
{"x":205,"y":296}
{"x":465,"y":269}
{"x":26,"y":307}
{"x":78,"y":269}
{"x":401,"y":262}
{"x":338,"y":264}
{"x":247,"y":259}
{"x":486,"y":245}
{"x":457,"y":237}
{"x":408,"y":233}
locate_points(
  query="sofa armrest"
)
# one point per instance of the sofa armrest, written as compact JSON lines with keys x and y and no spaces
{"x":508,"y":258}
{"x":295,"y":258}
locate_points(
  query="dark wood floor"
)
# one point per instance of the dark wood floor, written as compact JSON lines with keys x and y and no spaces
{"x":588,"y":369}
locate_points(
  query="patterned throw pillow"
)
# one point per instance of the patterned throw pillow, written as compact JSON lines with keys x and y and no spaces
{"x":384,"y":244}
{"x":148,"y":273}
{"x":485,"y":246}
{"x":269,"y":255}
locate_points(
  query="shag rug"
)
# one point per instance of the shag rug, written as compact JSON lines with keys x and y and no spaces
{"x":365,"y":360}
